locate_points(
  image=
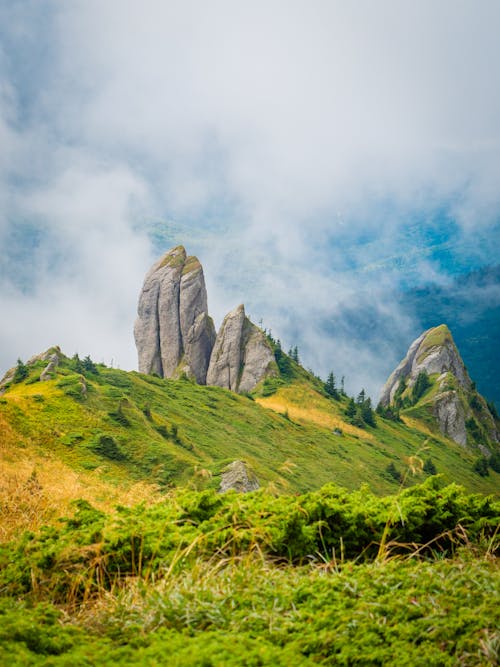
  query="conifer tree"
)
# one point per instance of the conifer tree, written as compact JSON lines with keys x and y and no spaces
{"x":330,"y":387}
{"x":77,"y":364}
{"x":351,"y":409}
{"x":89,"y":365}
{"x":21,"y":372}
{"x":367,"y":414}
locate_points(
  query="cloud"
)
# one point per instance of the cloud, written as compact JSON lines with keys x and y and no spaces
{"x":293,"y":144}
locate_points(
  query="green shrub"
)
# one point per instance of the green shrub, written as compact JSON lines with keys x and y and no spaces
{"x":429,"y":467}
{"x":422,"y":383}
{"x":107,"y":446}
{"x":481,"y":466}
{"x":494,"y":462}
{"x":119,"y":416}
{"x":393,"y":472}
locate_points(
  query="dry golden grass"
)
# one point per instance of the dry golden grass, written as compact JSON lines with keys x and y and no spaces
{"x":36,"y":491}
{"x":303,"y":404}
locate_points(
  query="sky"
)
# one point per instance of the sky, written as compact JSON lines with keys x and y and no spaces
{"x":315,"y":156}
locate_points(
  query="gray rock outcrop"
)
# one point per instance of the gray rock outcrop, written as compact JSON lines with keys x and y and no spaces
{"x":434,"y":352}
{"x":453,"y":400}
{"x":173,"y":332}
{"x":241,"y":356}
{"x":51,"y":355}
{"x":450,"y":415}
{"x":50,"y":368}
{"x":237,"y":476}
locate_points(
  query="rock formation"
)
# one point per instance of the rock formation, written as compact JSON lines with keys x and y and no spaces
{"x":433,"y":352}
{"x":452,"y":399}
{"x":52,"y":355}
{"x":50,"y":369}
{"x":237,"y":476}
{"x":173,"y":331}
{"x":241,"y":356}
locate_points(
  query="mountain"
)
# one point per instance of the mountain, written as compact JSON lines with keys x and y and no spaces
{"x":432,"y":384}
{"x":470,"y":305}
{"x":125,"y":540}
{"x":129,"y":427}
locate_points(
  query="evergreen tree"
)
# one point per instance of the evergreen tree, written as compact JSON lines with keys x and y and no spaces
{"x":77,"y":364}
{"x":295,"y":355}
{"x":21,"y":372}
{"x":390,"y":412}
{"x":283,"y":361}
{"x":493,"y":410}
{"x":421,"y":385}
{"x":494,"y":462}
{"x":357,"y":420}
{"x":342,"y":391}
{"x":351,"y":409}
{"x":89,"y":365}
{"x":361,"y":397}
{"x":399,"y":392}
{"x":481,"y":466}
{"x":330,"y":387}
{"x":367,"y":414}
{"x":394,"y":472}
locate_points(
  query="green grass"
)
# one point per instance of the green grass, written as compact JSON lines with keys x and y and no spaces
{"x":331,"y":578}
{"x":174,"y":432}
{"x":436,"y":336}
{"x":404,"y":613}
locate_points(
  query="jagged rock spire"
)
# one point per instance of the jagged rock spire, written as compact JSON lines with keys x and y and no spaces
{"x":173,"y":332}
{"x":242,"y":356}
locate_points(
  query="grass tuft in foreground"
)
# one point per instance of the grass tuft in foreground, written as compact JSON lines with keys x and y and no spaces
{"x":329,"y":577}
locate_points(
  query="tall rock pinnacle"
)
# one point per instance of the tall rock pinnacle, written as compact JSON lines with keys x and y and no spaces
{"x":173,"y":332}
{"x":242,"y":356}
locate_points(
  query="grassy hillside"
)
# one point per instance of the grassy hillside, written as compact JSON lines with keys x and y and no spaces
{"x":152,"y":566}
{"x":124,"y":428}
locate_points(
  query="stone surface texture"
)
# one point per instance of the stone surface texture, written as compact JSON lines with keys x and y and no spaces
{"x":237,"y":476}
{"x":241,"y":356}
{"x":173,"y":331}
{"x":50,"y":368}
{"x":450,"y":414}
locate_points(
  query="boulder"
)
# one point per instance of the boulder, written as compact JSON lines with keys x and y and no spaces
{"x":238,"y":477}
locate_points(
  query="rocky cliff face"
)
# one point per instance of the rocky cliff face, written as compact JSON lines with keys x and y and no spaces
{"x":451,"y":397}
{"x":242,"y":356}
{"x":173,"y":331}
